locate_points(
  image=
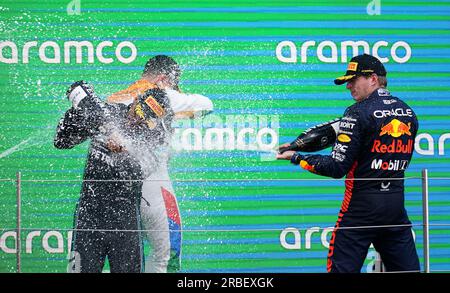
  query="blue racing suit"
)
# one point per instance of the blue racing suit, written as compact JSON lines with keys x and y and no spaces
{"x":375,"y":140}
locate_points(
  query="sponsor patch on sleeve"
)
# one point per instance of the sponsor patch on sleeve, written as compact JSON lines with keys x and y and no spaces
{"x":344,"y":138}
{"x":305,"y":165}
{"x":155,"y":106}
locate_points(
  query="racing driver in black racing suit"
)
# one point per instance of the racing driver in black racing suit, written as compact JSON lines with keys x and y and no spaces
{"x":375,"y":139}
{"x":122,"y":142}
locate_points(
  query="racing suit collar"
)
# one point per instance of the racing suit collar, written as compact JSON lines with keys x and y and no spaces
{"x":378,"y":93}
{"x":132,"y":92}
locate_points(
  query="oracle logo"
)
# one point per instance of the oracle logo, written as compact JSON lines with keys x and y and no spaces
{"x":399,"y":112}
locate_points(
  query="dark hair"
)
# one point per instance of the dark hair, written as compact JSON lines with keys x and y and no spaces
{"x":382,"y":81}
{"x":162,"y":64}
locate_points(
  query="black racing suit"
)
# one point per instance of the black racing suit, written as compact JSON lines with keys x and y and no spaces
{"x":375,"y":140}
{"x":105,"y":205}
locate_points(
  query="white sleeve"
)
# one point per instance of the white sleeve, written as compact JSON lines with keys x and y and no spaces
{"x":181,"y":102}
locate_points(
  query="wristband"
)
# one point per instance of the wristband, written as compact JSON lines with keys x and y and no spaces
{"x":77,"y":95}
{"x":296,"y":158}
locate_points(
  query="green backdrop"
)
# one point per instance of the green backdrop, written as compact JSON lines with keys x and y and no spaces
{"x":234,"y":202}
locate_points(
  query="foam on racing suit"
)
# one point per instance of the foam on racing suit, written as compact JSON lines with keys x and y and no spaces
{"x":106,"y":205}
{"x":375,"y":140}
{"x":160,"y":215}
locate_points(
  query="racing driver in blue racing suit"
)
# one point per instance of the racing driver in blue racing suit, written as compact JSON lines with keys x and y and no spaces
{"x":374,"y":145}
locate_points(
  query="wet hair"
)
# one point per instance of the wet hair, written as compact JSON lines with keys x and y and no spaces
{"x":382,"y":81}
{"x":162,"y":64}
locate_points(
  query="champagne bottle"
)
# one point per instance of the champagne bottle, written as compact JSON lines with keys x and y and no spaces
{"x":315,"y":138}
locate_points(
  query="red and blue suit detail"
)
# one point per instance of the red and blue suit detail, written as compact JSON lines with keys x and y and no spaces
{"x":373,"y":149}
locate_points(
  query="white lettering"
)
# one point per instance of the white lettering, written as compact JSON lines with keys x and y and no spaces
{"x":344,"y":46}
{"x":29,"y":241}
{"x":375,"y":264}
{"x":376,"y":164}
{"x":292,"y":58}
{"x":374,"y":7}
{"x":74,"y":7}
{"x":26,"y":49}
{"x":60,"y":242}
{"x":78,"y":51}
{"x":197,"y":136}
{"x":407,"y":53}
{"x":441,"y":143}
{"x":309,"y":233}
{"x":235,"y":132}
{"x":344,"y":124}
{"x":304,"y":50}
{"x":334,"y":54}
{"x":297,"y":238}
{"x":69,"y":240}
{"x":269,"y":132}
{"x":191,"y":139}
{"x":391,"y":165}
{"x":99,"y":52}
{"x":14,"y":54}
{"x":324,"y":236}
{"x":219,"y":143}
{"x":56,"y":57}
{"x":56,"y":52}
{"x":375,"y":49}
{"x":296,"y":244}
{"x":30,"y":238}
{"x":74,"y":265}
{"x":430,"y":141}
{"x":338,"y":156}
{"x":340,"y":148}
{"x":393,"y":112}
{"x":3,"y":240}
{"x":133,"y":49}
{"x":389,"y":102}
{"x":240,"y":141}
{"x":355,"y":48}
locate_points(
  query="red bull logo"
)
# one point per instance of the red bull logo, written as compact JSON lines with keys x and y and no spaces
{"x":397,"y":146}
{"x":396,"y":128}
